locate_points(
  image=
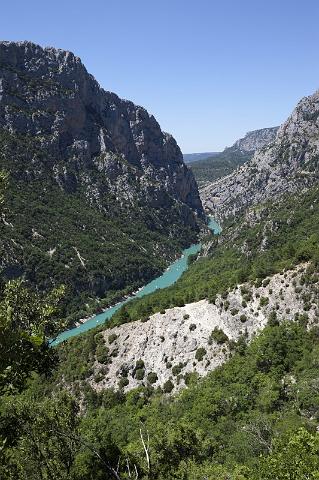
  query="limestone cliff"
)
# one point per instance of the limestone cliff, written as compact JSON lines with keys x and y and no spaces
{"x":288,"y":164}
{"x":99,"y":197}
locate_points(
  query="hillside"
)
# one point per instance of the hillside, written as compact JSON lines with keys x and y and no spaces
{"x":214,"y":377}
{"x":244,"y":418}
{"x":98,"y":197}
{"x":195,"y":157}
{"x":211,"y":168}
{"x":289,"y":164}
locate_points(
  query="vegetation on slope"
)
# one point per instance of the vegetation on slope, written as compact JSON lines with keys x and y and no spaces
{"x":269,"y":239}
{"x":240,"y":422}
{"x":253,"y":418}
{"x":53,"y":236}
{"x":218,"y":166}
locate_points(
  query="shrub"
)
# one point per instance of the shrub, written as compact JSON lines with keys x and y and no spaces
{"x":218,"y":335}
{"x":200,"y":354}
{"x":272,"y":320}
{"x":112,"y":338}
{"x":234,"y":311}
{"x":186,"y":316}
{"x":176,"y":370}
{"x":168,"y":386}
{"x":98,"y":377}
{"x":192,"y":327}
{"x":101,"y":354}
{"x":123,"y":382}
{"x":139,"y":373}
{"x":264,"y":301}
{"x":152,"y":377}
{"x":243,"y":318}
{"x":139,"y":364}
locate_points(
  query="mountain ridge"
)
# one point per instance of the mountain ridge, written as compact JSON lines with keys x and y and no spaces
{"x":112,"y":201}
{"x":223,"y":163}
{"x":287,"y":165}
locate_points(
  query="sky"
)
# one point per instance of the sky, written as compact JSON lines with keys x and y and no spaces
{"x":209,"y":71}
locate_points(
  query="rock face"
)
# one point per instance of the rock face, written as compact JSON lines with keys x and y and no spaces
{"x":255,"y":140}
{"x":99,"y":197}
{"x":289,"y":164}
{"x":49,"y":94}
{"x":180,"y":341}
{"x":222,"y":164}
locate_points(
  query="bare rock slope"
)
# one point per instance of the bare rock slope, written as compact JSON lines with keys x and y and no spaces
{"x":288,"y":164}
{"x":199,"y":336}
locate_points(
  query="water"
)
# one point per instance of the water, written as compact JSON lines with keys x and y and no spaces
{"x":170,"y":276}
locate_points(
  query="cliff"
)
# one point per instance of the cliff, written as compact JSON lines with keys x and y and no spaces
{"x":99,"y":197}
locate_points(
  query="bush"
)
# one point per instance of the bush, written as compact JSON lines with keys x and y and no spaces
{"x":139,"y":364}
{"x":264,"y":301}
{"x":176,"y":370}
{"x":101,"y":354}
{"x":218,"y":335}
{"x":243,"y":318}
{"x":139,"y":373}
{"x":123,"y":382}
{"x":200,"y":354}
{"x":152,"y":377}
{"x":192,"y":327}
{"x":168,"y":386}
{"x":98,"y":377}
{"x":112,"y":338}
{"x":186,"y":316}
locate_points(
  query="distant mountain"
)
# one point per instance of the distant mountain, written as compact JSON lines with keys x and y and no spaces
{"x":222,"y":164}
{"x":287,"y":165}
{"x":99,"y":198}
{"x":194,"y":157}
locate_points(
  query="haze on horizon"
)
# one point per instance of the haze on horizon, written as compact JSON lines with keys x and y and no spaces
{"x":209,"y":71}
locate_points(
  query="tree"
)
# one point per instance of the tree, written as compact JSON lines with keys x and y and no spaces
{"x":26,"y":323}
{"x":294,"y":460}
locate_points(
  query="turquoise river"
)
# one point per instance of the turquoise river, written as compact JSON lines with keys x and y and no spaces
{"x":173,"y":273}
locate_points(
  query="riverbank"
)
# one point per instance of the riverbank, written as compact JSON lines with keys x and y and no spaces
{"x":170,"y":276}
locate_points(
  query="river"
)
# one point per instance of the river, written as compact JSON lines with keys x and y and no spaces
{"x":170,"y":276}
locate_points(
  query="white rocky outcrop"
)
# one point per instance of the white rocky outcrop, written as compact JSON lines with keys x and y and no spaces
{"x":174,"y":338}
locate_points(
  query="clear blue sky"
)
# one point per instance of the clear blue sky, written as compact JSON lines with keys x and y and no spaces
{"x":208,"y":70}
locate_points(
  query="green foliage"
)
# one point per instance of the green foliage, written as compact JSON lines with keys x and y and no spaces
{"x":102,"y":249}
{"x":217,"y":166}
{"x":218,"y":336}
{"x":152,"y":377}
{"x":176,"y":370}
{"x":294,"y":238}
{"x":264,"y":301}
{"x":112,"y":338}
{"x":168,"y":386}
{"x":200,"y":353}
{"x":139,"y":373}
{"x":250,"y":419}
{"x":139,"y":363}
{"x":102,"y":354}
{"x":295,"y":458}
{"x":123,"y":382}
{"x":26,"y":322}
